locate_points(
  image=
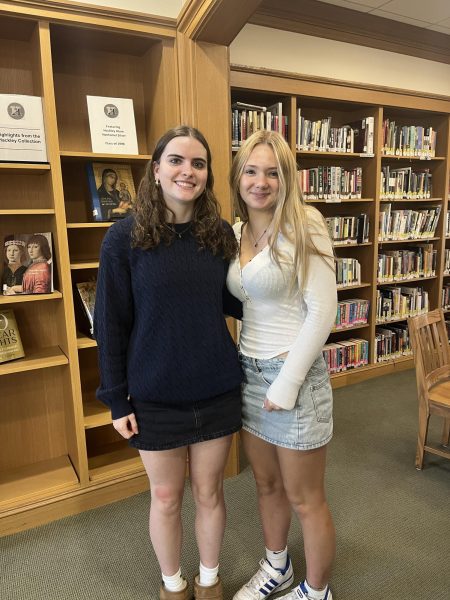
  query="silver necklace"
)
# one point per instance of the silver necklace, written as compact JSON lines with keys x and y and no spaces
{"x":256,"y":241}
{"x":179,"y":234}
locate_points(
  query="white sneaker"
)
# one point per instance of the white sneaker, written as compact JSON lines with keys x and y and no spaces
{"x":300,"y":593}
{"x":266,"y":581}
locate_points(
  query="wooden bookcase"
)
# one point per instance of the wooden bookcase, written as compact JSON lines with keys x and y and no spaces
{"x":345,"y":103}
{"x":59,"y":453}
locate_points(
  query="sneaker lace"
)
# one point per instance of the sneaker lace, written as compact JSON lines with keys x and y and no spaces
{"x":260,"y":577}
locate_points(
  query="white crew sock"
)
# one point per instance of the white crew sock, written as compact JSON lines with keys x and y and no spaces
{"x":174,"y":583}
{"x":314,"y":594}
{"x":207,"y":576}
{"x":277,"y":558}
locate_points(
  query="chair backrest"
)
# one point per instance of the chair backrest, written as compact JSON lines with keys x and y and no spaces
{"x":429,"y":341}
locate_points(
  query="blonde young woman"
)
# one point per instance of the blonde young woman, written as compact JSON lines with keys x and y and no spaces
{"x":285,"y":277}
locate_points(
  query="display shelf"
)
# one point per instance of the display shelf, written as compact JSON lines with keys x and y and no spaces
{"x":113,"y":461}
{"x":97,"y":225}
{"x":37,"y":481}
{"x":20,"y":298}
{"x":67,"y":155}
{"x":96,"y":414}
{"x":344,"y":201}
{"x":83,"y":341}
{"x":27,"y":211}
{"x":43,"y":358}
{"x":86,"y":264}
{"x":34,"y":168}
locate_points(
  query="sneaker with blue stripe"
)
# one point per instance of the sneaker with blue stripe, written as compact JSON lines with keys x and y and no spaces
{"x":266,"y":581}
{"x":300,"y":593}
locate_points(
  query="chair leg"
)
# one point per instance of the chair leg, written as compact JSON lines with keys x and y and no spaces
{"x":446,"y":432}
{"x":422,"y":437}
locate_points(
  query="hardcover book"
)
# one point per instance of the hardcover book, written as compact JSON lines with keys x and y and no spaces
{"x":112,"y":125}
{"x":22,"y":136}
{"x":27,"y":264}
{"x":84,"y":305}
{"x":112,"y":190}
{"x":10,"y":343}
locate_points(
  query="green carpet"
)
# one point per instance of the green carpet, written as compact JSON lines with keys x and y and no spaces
{"x":393,"y":522}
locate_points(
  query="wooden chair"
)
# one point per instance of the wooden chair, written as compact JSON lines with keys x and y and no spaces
{"x":430,"y":344}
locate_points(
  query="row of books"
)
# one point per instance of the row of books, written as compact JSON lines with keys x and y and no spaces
{"x":407,"y":263}
{"x":319,"y":135}
{"x":346,"y":355}
{"x":331,"y":183}
{"x":348,"y":229}
{"x":445,"y":296}
{"x":392,"y":342}
{"x":408,"y":140}
{"x":348,"y":272}
{"x":447,"y":224}
{"x":404,"y":183}
{"x":352,"y":312}
{"x":407,"y":224}
{"x":248,"y":118}
{"x":400,"y":302}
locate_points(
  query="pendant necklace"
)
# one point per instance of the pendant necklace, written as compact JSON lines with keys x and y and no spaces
{"x":179,"y":234}
{"x":256,"y":241}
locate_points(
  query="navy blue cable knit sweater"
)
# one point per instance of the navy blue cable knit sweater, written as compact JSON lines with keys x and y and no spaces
{"x":159,"y":322}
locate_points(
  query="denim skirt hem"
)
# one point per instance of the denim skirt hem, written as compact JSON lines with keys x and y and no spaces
{"x":180,"y":444}
{"x":287,"y":445}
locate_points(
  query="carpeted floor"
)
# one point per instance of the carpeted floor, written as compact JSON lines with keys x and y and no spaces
{"x":393,"y":523}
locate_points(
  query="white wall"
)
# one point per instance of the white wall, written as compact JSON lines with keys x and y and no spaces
{"x":166,"y":8}
{"x":286,"y":51}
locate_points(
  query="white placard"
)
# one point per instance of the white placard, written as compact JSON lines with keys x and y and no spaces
{"x":22,"y":135}
{"x":112,"y":124}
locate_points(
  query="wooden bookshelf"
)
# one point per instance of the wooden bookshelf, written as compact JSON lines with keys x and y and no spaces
{"x":319,"y":99}
{"x":56,"y":448}
{"x":59,"y":453}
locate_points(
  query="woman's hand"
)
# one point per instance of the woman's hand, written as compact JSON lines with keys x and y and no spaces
{"x":126,"y":426}
{"x":269,"y":406}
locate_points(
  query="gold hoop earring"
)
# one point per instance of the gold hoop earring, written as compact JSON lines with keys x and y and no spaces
{"x":156,"y":182}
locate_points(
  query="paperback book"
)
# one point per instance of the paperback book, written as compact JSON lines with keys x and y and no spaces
{"x":10,"y":343}
{"x":112,"y":190}
{"x":22,"y":135}
{"x":27,"y":264}
{"x":112,"y":125}
{"x":84,"y":306}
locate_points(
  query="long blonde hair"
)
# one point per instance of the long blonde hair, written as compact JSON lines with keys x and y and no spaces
{"x":291,"y":218}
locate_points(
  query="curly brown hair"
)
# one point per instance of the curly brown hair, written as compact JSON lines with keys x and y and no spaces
{"x":150,"y":209}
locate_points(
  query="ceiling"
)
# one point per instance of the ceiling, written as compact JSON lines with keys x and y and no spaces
{"x":428,"y":14}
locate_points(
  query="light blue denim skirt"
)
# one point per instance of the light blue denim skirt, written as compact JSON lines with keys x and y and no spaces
{"x":308,"y":425}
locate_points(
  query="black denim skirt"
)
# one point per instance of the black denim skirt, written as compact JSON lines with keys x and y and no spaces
{"x":163,"y":426}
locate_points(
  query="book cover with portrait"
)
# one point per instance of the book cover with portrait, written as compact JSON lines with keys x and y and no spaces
{"x":10,"y":343}
{"x":112,"y":190}
{"x":27,"y":264}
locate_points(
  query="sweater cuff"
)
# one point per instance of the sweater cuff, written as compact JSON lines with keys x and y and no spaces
{"x":117,"y":400}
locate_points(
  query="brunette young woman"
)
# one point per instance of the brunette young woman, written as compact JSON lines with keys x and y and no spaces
{"x":169,"y":367}
{"x":284,"y":275}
